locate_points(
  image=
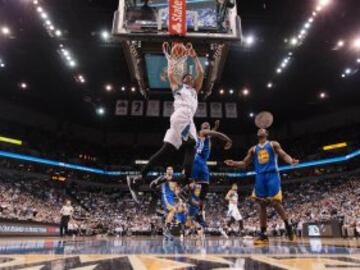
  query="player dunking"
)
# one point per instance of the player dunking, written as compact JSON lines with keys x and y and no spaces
{"x":182,"y":127}
{"x":267,"y":181}
{"x":233,"y":214}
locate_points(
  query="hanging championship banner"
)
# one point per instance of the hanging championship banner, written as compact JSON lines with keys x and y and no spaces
{"x":216,"y":110}
{"x":168,"y":108}
{"x":201,"y":110}
{"x":137,"y":108}
{"x":177,"y":17}
{"x":231,"y":110}
{"x":153,"y":108}
{"x":121,"y":107}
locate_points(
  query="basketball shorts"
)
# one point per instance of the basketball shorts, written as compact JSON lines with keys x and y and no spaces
{"x":181,"y":127}
{"x":181,"y":217}
{"x":234,"y":212}
{"x":200,"y":171}
{"x":168,"y":201}
{"x":267,"y":187}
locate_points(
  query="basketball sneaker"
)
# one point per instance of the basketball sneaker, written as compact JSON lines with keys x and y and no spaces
{"x":133,"y":182}
{"x":263,"y":239}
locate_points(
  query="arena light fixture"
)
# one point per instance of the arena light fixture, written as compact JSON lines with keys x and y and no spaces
{"x":340,"y":43}
{"x":358,"y":60}
{"x":5,"y":30}
{"x":279,"y":70}
{"x":222,"y":91}
{"x":335,"y":146}
{"x":23,"y":85}
{"x":108,"y":87}
{"x":348,"y":71}
{"x":251,"y":115}
{"x":269,"y":85}
{"x":343,"y":75}
{"x":81,"y":78}
{"x":133,"y":89}
{"x":294,"y":41}
{"x":231,"y":91}
{"x":58,"y":33}
{"x":356,"y":43}
{"x":323,"y":95}
{"x":249,"y":40}
{"x":105,"y":35}
{"x":100,"y":111}
{"x":123,"y":88}
{"x":245,"y":92}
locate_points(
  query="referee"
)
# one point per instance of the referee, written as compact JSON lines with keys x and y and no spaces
{"x":66,"y":213}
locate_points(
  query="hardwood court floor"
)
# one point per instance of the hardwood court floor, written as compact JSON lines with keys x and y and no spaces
{"x":155,"y":253}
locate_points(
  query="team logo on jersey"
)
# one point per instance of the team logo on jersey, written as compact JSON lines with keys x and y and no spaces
{"x":263,"y":156}
{"x":172,"y":186}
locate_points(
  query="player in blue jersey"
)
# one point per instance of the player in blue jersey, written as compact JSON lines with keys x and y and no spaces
{"x":169,"y":190}
{"x":200,"y":171}
{"x":267,"y":189}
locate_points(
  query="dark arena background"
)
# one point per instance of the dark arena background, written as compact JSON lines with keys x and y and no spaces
{"x":88,"y":89}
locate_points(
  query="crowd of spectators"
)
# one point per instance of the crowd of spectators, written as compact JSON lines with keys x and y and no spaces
{"x":99,"y":210}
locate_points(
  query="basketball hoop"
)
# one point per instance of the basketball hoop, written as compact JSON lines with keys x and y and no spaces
{"x":177,"y":56}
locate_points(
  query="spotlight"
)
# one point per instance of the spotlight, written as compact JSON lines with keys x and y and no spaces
{"x":123,"y":88}
{"x":5,"y":30}
{"x":307,"y":25}
{"x":23,"y":85}
{"x":206,"y":63}
{"x":324,"y":3}
{"x":44,"y":15}
{"x":348,"y":71}
{"x":358,"y":60}
{"x":311,"y":19}
{"x":2,"y":65}
{"x":269,"y":85}
{"x":343,"y":75}
{"x":251,"y":115}
{"x":294,"y":41}
{"x":340,"y":43}
{"x":100,"y":111}
{"x":108,"y":87}
{"x":249,"y":40}
{"x":222,"y":91}
{"x":245,"y":92}
{"x":290,"y":53}
{"x":105,"y":35}
{"x":35,"y":2}
{"x":231,"y":91}
{"x":58,"y":33}
{"x":51,"y":27}
{"x":133,"y":89}
{"x":322,"y":95}
{"x":72,"y":63}
{"x":81,"y":79}
{"x":357,"y":43}
{"x":279,"y":70}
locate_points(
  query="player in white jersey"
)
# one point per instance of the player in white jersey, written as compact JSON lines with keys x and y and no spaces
{"x":182,"y":127}
{"x":233,"y":214}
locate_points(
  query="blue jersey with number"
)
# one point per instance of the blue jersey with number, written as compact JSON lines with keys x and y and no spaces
{"x":203,"y":149}
{"x":168,"y":193}
{"x":265,"y":159}
{"x":200,"y":171}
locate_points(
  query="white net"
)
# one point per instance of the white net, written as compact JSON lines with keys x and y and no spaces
{"x":177,"y":56}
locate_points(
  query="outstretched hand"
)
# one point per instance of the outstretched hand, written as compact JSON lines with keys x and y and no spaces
{"x":230,"y":163}
{"x":294,"y":162}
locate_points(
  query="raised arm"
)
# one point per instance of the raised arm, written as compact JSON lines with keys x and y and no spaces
{"x":216,"y":134}
{"x":199,"y":71}
{"x":282,"y":154}
{"x":172,"y":79}
{"x":243,"y":163}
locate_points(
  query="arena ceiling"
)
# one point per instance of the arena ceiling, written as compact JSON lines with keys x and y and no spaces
{"x":310,"y":84}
